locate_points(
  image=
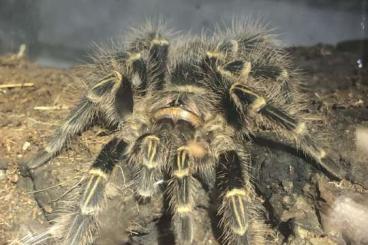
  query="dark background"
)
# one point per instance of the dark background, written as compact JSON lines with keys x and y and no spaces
{"x":58,"y":33}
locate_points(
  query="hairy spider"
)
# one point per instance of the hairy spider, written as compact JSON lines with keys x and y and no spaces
{"x":185,"y":109}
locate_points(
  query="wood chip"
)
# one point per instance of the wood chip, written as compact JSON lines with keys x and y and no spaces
{"x":50,"y":108}
{"x":16,"y":85}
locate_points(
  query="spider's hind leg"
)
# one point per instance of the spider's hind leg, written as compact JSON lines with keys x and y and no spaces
{"x":286,"y":123}
{"x":284,"y":116}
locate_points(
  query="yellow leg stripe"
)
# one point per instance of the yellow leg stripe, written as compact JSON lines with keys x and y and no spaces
{"x":181,"y":173}
{"x":284,"y":75}
{"x":150,"y":164}
{"x":241,"y":205}
{"x":117,"y":75}
{"x":152,"y":137}
{"x":258,"y":104}
{"x":91,"y":191}
{"x":103,"y":81}
{"x":214,"y":54}
{"x":160,"y":41}
{"x":241,"y":88}
{"x":236,"y":192}
{"x":239,"y":213}
{"x":244,"y":74}
{"x":184,"y":208}
{"x":224,"y":72}
{"x":134,"y":56}
{"x":152,"y":142}
{"x":235,"y":47}
{"x":181,"y":158}
{"x":152,"y":148}
{"x":300,"y":128}
{"x":239,"y":230}
{"x":322,"y":153}
{"x":144,"y":193}
{"x":99,"y":173}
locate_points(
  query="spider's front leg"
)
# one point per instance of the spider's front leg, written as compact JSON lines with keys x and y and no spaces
{"x":239,"y":209}
{"x":146,"y":159}
{"x":109,"y":100}
{"x":80,"y":224}
{"x":182,"y":188}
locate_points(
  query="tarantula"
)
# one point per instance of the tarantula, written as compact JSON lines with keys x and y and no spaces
{"x":185,"y":109}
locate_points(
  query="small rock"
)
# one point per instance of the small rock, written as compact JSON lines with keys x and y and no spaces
{"x":362,"y":139}
{"x":26,"y":145}
{"x":302,"y":232}
{"x":307,"y":188}
{"x":47,"y":208}
{"x":2,"y":174}
{"x":287,"y":201}
{"x":25,"y":184}
{"x":3,"y":164}
{"x":287,"y":186}
{"x":13,"y":178}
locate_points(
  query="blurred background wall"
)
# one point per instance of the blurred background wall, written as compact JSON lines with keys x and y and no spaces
{"x":58,"y":33}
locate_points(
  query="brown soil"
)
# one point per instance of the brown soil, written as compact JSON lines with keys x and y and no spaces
{"x":298,"y":198}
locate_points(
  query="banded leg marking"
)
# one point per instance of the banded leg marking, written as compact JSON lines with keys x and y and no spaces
{"x":158,"y":54}
{"x":139,"y":70}
{"x":79,"y":120}
{"x":183,"y":187}
{"x":99,"y":175}
{"x":294,"y":128}
{"x":82,"y":223}
{"x":240,"y":70}
{"x":229,"y":47}
{"x":120,"y":88}
{"x":149,"y":172}
{"x":107,"y":84}
{"x":86,"y":113}
{"x":234,"y":210}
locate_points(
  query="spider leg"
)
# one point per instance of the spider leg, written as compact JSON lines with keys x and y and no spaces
{"x":238,"y":210}
{"x":234,"y":75}
{"x":157,"y":46}
{"x":183,"y":186}
{"x":79,"y":224}
{"x":146,"y":159}
{"x":159,"y":51}
{"x":110,"y":99}
{"x":269,"y":62}
{"x":93,"y":199}
{"x":286,"y":124}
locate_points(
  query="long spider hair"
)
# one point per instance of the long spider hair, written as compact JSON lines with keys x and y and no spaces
{"x":184,"y":109}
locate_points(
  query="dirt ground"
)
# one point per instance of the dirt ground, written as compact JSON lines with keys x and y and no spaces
{"x":302,"y":205}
